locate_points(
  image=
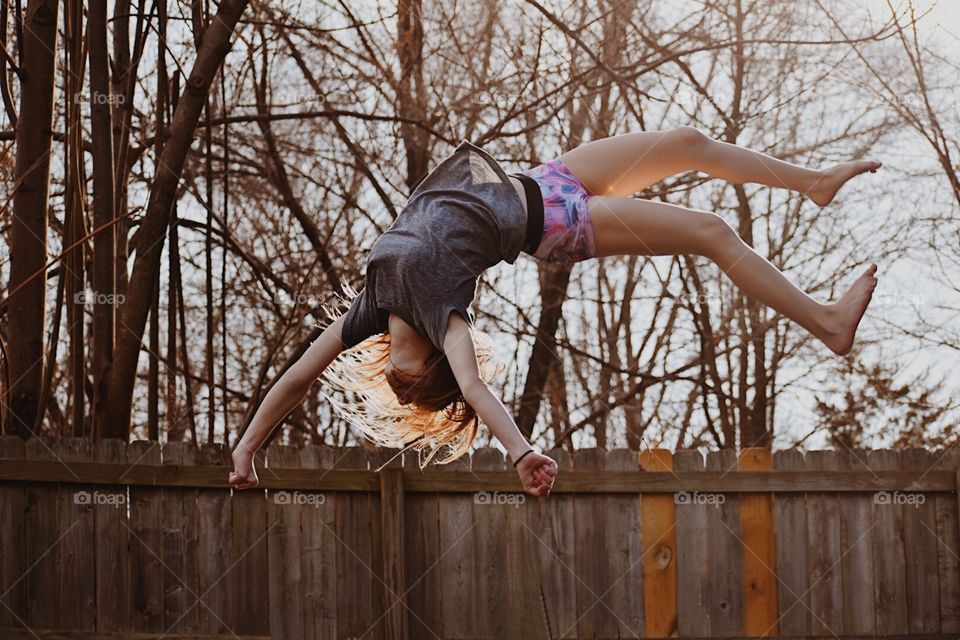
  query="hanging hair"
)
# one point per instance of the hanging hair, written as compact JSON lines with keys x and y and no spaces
{"x":434,"y":419}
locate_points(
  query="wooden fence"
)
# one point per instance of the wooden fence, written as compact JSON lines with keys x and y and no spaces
{"x":110,"y":540}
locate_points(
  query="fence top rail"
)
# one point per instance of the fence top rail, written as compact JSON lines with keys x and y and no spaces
{"x":468,"y":481}
{"x":318,"y":468}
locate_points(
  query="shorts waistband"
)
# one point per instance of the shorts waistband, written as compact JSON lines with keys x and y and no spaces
{"x":534,"y":212}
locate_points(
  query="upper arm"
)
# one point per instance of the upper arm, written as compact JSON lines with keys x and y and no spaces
{"x":319,"y":354}
{"x":360,"y":319}
{"x":458,"y":347}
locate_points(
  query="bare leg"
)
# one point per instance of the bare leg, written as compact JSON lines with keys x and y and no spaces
{"x":628,"y":226}
{"x":624,"y":164}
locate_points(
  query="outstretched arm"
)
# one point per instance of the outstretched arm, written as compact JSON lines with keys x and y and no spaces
{"x":537,"y":471}
{"x":288,"y":391}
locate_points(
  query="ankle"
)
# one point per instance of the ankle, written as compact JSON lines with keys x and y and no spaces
{"x":818,"y":177}
{"x":828,"y":319}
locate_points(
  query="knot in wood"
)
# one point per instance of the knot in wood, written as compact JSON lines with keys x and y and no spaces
{"x":44,"y":16}
{"x":197,"y":83}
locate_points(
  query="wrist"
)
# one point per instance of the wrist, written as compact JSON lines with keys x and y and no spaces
{"x":519,"y":455}
{"x":243,"y":447}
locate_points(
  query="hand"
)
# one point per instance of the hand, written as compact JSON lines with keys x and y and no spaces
{"x":537,"y":473}
{"x":244,"y":475}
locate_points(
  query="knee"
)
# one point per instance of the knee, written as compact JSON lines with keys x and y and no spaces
{"x":716,"y":235}
{"x":690,"y":136}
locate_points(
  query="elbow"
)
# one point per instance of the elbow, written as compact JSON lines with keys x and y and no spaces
{"x":473,"y":390}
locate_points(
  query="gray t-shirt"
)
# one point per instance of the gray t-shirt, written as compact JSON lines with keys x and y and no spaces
{"x":464,"y":217}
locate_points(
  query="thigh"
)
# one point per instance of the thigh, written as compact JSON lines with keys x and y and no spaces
{"x":633,"y":226}
{"x":624,"y":164}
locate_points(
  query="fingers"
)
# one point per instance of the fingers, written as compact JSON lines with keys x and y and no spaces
{"x":241,"y":482}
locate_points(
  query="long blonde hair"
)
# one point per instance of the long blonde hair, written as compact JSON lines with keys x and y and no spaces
{"x":437,"y":422}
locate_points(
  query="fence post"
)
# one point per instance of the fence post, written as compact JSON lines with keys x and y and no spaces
{"x":391,"y":514}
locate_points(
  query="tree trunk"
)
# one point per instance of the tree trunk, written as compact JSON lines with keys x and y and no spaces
{"x":410,"y":103}
{"x":136,"y":306}
{"x":104,"y":281}
{"x":74,"y":219}
{"x":28,"y":246}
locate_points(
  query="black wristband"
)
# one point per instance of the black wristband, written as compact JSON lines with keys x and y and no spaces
{"x":521,"y":457}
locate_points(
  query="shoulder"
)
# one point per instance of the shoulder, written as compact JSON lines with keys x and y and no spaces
{"x":456,"y":324}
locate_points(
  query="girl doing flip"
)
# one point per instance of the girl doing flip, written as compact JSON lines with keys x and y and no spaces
{"x":410,"y":355}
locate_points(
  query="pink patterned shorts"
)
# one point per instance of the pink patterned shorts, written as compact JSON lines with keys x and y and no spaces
{"x":567,"y":229}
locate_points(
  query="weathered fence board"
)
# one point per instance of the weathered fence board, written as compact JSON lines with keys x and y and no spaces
{"x":13,"y":543}
{"x":658,"y":531}
{"x":733,"y":549}
{"x":625,"y":549}
{"x":948,"y":542}
{"x":422,"y":536}
{"x":759,"y":551}
{"x":215,"y":547}
{"x":555,"y":555}
{"x":857,"y":541}
{"x":890,"y":588}
{"x":792,"y":548}
{"x":111,"y":547}
{"x":920,"y":544}
{"x":692,"y":554}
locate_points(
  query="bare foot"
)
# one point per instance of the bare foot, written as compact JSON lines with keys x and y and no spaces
{"x":844,"y":315}
{"x":836,"y":176}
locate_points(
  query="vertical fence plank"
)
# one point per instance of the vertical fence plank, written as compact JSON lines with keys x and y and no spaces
{"x":825,"y":557}
{"x":146,"y":544}
{"x":592,"y":574}
{"x":355,"y":573}
{"x":111,"y":548}
{"x":382,"y":588}
{"x":759,"y":554}
{"x":857,"y":540}
{"x":659,"y":535}
{"x":625,"y":549}
{"x":725,"y":581}
{"x":920,"y":543}
{"x":181,"y":587}
{"x":692,"y":573}
{"x":246,"y":606}
{"x":524,"y":611}
{"x":422,"y":533}
{"x":948,"y":545}
{"x":13,"y":540}
{"x":456,"y":567}
{"x":490,"y":580}
{"x":319,"y":551}
{"x":793,"y":580}
{"x":556,"y":553}
{"x":215,"y":545}
{"x":890,"y":587}
{"x":77,"y":590}
{"x":284,"y":546}
{"x":392,"y":509}
{"x":43,"y":563}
